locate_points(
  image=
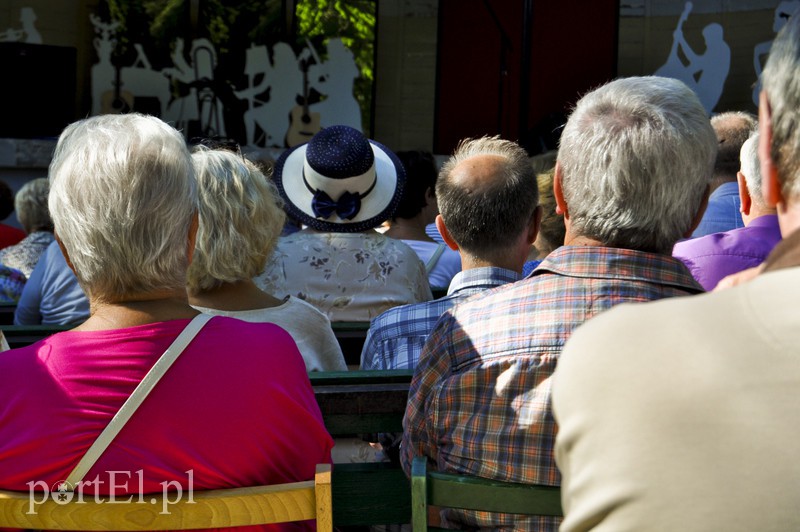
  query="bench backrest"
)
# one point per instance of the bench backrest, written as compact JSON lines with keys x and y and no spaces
{"x":472,"y":493}
{"x":280,"y":503}
{"x":362,"y":402}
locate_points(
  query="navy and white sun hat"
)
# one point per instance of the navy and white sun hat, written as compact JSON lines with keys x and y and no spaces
{"x":340,"y":181}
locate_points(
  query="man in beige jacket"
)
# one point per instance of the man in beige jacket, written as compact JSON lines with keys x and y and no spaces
{"x":683,"y":414}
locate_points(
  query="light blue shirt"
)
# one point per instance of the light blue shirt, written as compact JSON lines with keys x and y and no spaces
{"x":395,"y":338}
{"x":52,"y":295}
{"x":722,"y":213}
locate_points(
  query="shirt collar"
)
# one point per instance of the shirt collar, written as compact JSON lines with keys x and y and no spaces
{"x":599,"y":262}
{"x":768,"y":220}
{"x":482,"y":278}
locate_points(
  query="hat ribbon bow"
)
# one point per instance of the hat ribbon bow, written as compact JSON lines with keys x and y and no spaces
{"x":346,"y":207}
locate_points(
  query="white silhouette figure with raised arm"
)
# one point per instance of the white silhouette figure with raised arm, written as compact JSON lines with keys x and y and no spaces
{"x":782,"y":15}
{"x":705,"y":73}
{"x":334,"y":78}
{"x":284,"y":80}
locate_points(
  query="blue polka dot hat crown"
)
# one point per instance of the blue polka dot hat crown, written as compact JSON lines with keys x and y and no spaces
{"x":340,"y":181}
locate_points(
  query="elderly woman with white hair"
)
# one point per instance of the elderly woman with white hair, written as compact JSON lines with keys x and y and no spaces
{"x":31,"y":206}
{"x":241,"y":217}
{"x":233,"y":406}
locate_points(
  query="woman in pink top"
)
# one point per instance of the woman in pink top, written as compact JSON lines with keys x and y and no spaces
{"x":235,"y":409}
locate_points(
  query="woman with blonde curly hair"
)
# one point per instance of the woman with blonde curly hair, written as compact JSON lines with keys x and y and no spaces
{"x":241,"y":217}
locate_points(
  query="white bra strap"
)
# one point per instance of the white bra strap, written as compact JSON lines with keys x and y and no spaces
{"x":136,"y":398}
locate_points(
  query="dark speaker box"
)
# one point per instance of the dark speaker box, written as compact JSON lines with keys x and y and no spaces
{"x":37,"y":94}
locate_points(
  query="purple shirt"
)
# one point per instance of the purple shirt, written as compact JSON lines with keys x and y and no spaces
{"x":714,"y":256}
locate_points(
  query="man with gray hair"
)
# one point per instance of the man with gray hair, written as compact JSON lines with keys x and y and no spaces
{"x":722,"y":214}
{"x":630,"y":180}
{"x":682,"y":414}
{"x":712,"y":257}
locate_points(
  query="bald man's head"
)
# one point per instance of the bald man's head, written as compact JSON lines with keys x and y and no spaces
{"x":487,"y":195}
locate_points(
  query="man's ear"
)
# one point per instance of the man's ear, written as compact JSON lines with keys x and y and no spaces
{"x":558,"y":192}
{"x":744,"y":195}
{"x":770,"y":184}
{"x":193,"y":227}
{"x":698,"y":217}
{"x":448,"y":239}
{"x":64,"y":252}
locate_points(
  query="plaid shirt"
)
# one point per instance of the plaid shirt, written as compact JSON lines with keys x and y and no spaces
{"x":480,"y":397}
{"x":396,"y":337}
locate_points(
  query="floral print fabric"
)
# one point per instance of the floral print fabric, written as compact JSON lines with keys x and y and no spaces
{"x":348,"y":276}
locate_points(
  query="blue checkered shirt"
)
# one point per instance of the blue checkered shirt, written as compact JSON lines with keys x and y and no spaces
{"x":480,"y":397}
{"x":395,"y":338}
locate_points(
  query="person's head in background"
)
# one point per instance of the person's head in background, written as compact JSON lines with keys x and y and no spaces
{"x":753,"y":204}
{"x":340,"y":181}
{"x":31,"y":206}
{"x":489,"y":200}
{"x":240,"y":219}
{"x":634,"y":164}
{"x":552,"y":230}
{"x":418,"y":206}
{"x":732,"y":128}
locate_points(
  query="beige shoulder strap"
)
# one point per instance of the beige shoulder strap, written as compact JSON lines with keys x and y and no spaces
{"x":136,"y":398}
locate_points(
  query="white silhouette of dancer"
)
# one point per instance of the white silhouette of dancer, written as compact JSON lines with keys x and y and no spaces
{"x":27,"y":18}
{"x":284,"y":80}
{"x":782,"y":15}
{"x":334,"y":78}
{"x":705,"y":73}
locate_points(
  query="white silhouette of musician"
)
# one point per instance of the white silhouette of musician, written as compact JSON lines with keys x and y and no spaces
{"x":704,"y":73}
{"x":782,"y":15}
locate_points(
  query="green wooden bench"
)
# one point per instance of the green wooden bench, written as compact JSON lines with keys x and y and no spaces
{"x":365,"y":402}
{"x":351,"y":336}
{"x":22,"y":335}
{"x":7,"y":313}
{"x":449,"y":490}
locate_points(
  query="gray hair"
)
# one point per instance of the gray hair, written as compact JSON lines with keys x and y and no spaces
{"x":782,"y":86}
{"x":31,"y":206}
{"x":751,"y":169}
{"x":487,"y":222}
{"x":241,"y":218}
{"x":123,"y":199}
{"x":636,"y":156}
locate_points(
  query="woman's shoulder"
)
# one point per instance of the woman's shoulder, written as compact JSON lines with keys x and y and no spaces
{"x":301,"y":307}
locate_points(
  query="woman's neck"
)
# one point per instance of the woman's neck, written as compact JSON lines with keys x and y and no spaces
{"x":148,"y":308}
{"x":241,"y":295}
{"x":408,"y":229}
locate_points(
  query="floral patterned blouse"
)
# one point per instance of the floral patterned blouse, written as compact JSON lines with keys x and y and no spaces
{"x":348,"y":276}
{"x":25,"y":255}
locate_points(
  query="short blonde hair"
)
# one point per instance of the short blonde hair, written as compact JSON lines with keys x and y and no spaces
{"x":241,"y":218}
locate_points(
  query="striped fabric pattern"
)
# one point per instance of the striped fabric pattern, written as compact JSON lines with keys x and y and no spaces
{"x":395,"y":338}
